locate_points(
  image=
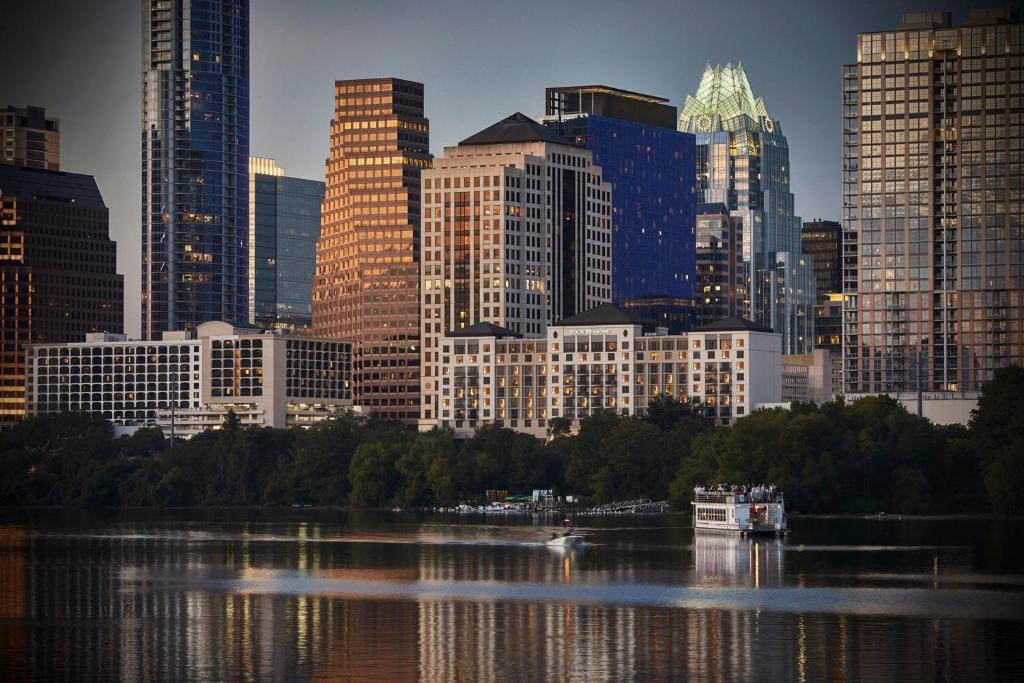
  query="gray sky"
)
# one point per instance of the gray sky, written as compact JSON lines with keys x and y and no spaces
{"x":480,"y":61}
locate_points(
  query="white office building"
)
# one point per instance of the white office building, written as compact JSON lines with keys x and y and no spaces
{"x":192,"y":380}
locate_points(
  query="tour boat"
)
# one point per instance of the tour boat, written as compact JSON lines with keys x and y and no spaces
{"x":739,"y":510}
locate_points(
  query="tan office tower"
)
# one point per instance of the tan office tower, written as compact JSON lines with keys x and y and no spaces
{"x":933,"y":221}
{"x":28,"y":137}
{"x":516,"y":234}
{"x":366,"y":284}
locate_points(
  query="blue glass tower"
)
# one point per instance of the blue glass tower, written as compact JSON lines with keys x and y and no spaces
{"x":285,"y":228}
{"x":651,"y":168}
{"x":195,"y":154}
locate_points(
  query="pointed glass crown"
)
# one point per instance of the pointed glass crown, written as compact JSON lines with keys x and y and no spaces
{"x":725,"y":91}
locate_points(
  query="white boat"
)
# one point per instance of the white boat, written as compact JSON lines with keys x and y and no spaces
{"x":744,"y":513}
{"x":567,"y":541}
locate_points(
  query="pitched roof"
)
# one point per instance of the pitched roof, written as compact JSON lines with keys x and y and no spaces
{"x":516,"y":128}
{"x":484,"y":329}
{"x":603,"y":314}
{"x":734,"y":324}
{"x":724,"y":90}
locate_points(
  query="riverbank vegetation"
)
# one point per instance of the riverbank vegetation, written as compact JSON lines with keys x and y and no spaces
{"x":867,"y":456}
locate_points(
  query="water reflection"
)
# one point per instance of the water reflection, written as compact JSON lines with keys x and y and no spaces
{"x":170,"y":601}
{"x":726,"y":560}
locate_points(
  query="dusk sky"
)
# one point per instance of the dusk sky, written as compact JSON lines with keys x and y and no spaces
{"x":479,"y":63}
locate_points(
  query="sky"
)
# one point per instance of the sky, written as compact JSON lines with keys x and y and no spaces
{"x":480,"y":61}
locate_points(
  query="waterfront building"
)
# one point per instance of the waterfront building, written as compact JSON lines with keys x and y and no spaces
{"x":366,"y":285}
{"x":193,"y":378}
{"x":58,"y":270}
{"x":743,"y":162}
{"x":721,"y":282}
{"x":284,"y":224}
{"x":516,"y":233}
{"x":195,"y":157}
{"x":28,"y":137}
{"x":601,"y":359}
{"x":650,"y":166}
{"x":933,"y":223}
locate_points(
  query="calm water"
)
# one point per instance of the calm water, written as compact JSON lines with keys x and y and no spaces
{"x":300,"y":595}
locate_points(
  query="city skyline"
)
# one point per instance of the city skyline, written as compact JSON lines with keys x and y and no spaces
{"x":102,"y":140}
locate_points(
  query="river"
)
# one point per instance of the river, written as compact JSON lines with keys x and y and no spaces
{"x":327,"y":595}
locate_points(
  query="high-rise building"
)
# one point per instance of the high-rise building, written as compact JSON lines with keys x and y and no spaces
{"x":284,"y":224}
{"x":933,"y":224}
{"x":721,"y":282}
{"x":823,"y":241}
{"x":743,"y":162}
{"x":366,"y":287}
{"x":58,"y":270}
{"x":516,"y":233}
{"x":28,"y":137}
{"x":195,"y":159}
{"x":650,"y":166}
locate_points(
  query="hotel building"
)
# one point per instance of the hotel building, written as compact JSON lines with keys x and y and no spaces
{"x":743,"y":162}
{"x":366,"y":285}
{"x":193,"y":378}
{"x":516,"y":232}
{"x":933,"y":218}
{"x":58,"y":270}
{"x":601,"y":359}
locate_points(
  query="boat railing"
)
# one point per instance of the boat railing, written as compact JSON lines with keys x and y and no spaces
{"x":717,"y":497}
{"x":732,"y":498}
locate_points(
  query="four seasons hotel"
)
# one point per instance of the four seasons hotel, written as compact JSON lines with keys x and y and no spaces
{"x":366,"y":284}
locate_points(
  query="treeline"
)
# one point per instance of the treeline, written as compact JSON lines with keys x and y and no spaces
{"x":868,"y":456}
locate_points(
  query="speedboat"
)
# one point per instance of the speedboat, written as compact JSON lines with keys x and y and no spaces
{"x":566,"y":541}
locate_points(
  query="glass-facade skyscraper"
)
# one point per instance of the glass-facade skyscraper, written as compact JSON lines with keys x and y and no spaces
{"x":650,"y":166}
{"x":933,"y":224}
{"x":195,"y":156}
{"x":743,"y":162}
{"x":283,"y":230}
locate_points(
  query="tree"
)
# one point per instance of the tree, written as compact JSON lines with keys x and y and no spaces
{"x":997,"y":427}
{"x":372,"y":474}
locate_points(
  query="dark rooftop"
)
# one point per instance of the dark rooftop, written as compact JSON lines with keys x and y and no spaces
{"x":607,"y":90}
{"x":711,"y":208}
{"x":734,"y":324}
{"x":602,"y":314}
{"x":54,"y":186}
{"x":484,"y":329}
{"x":515,"y":128}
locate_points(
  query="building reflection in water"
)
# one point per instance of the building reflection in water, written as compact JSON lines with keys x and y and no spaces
{"x":155,"y":606}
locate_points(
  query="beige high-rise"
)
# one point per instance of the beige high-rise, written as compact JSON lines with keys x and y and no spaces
{"x":933,"y":243}
{"x":516,"y":233}
{"x":28,"y":137}
{"x":366,"y":286}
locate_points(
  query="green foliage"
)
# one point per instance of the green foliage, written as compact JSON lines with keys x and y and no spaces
{"x":997,"y":427}
{"x":868,"y":456}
